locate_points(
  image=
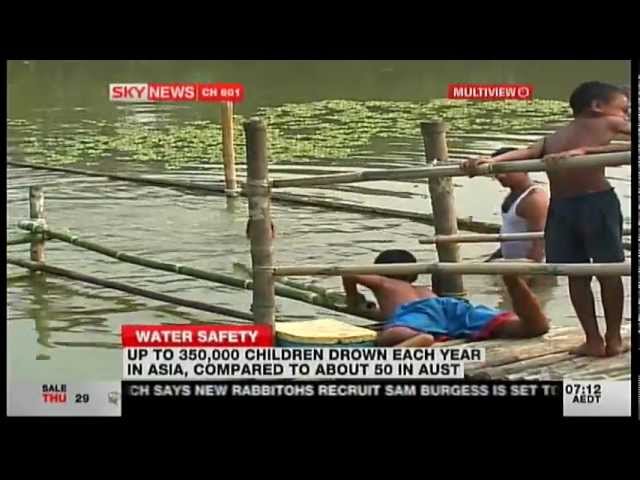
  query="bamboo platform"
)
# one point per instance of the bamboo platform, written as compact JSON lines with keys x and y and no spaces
{"x":545,"y":358}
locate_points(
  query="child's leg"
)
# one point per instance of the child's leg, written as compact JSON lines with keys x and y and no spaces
{"x":603,"y":241}
{"x":583,"y":304}
{"x":566,"y":235}
{"x":403,"y":337}
{"x":531,"y":321}
{"x":421,"y":340}
{"x":613,"y":303}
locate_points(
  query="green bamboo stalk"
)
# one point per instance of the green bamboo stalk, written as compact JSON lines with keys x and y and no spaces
{"x":334,"y":297}
{"x":42,"y":267}
{"x":281,"y":290}
{"x":20,"y":240}
{"x":124,"y":177}
{"x":463,"y":223}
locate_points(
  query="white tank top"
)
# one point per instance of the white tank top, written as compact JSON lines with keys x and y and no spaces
{"x":512,"y":223}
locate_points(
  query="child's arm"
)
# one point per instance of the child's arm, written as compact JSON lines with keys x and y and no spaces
{"x":350,"y":284}
{"x":532,"y":151}
{"x":575,"y":152}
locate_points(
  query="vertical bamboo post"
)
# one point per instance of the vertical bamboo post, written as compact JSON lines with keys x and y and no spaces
{"x":37,"y":214}
{"x":228,"y":156}
{"x":259,"y":195}
{"x":443,"y":205}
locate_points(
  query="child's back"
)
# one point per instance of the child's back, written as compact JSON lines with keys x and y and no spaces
{"x":581,"y":133}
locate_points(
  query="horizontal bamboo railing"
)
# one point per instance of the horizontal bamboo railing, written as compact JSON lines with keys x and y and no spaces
{"x":123,"y":287}
{"x":537,"y":165}
{"x":464,"y":223}
{"x":20,"y":240}
{"x":489,"y":237}
{"x":506,"y":268}
{"x":285,"y":291}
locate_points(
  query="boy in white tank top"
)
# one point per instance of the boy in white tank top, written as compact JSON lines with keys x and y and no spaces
{"x":524,"y":210}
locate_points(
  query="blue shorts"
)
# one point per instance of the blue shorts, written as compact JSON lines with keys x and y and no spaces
{"x":446,"y":317}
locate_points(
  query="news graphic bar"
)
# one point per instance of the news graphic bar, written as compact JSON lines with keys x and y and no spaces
{"x":443,"y":400}
{"x":211,"y":353}
{"x":596,"y":398}
{"x":475,"y":91}
{"x":176,"y":92}
{"x":64,"y":399}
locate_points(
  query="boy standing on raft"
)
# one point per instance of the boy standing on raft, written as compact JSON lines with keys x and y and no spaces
{"x":584,"y":221}
{"x":417,"y":317}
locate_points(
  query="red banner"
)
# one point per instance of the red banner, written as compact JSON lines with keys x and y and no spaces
{"x":149,"y":336}
{"x":476,"y":91}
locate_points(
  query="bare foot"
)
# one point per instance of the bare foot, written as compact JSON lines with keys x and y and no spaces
{"x":590,"y":349}
{"x":615,"y":346}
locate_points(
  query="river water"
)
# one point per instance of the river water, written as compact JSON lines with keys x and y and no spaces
{"x":322,"y":116}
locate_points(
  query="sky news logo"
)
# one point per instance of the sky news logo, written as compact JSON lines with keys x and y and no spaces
{"x":475,"y":91}
{"x":176,"y":92}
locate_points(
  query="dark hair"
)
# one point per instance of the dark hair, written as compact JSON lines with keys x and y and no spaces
{"x":589,"y":92}
{"x":397,"y":256}
{"x":500,"y":151}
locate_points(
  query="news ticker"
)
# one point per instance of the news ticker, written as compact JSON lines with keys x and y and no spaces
{"x":116,"y":399}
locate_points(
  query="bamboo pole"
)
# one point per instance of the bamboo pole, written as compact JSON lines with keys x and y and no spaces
{"x":489,"y":237}
{"x":37,"y":214}
{"x":442,"y":205}
{"x":281,"y":290}
{"x":334,"y":298}
{"x":480,"y":238}
{"x":228,"y":156}
{"x":41,"y":267}
{"x":160,"y":182}
{"x":463,"y":223}
{"x":260,"y":217}
{"x":535,"y":165}
{"x":505,"y":268}
{"x":20,"y":240}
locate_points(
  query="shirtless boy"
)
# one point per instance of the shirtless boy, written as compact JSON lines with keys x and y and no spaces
{"x":584,"y":222}
{"x":416,"y":317}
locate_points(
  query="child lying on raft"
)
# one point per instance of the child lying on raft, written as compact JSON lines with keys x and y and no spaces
{"x":415,"y":316}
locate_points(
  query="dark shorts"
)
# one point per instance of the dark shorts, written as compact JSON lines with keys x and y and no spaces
{"x":584,"y":228}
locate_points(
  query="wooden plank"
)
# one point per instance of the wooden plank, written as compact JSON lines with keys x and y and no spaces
{"x":507,"y":358}
{"x":505,"y":351}
{"x":584,"y":368}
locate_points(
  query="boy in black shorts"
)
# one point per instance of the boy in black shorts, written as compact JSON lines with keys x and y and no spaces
{"x":584,"y":222}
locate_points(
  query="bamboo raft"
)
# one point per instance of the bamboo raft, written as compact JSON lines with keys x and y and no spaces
{"x":546,"y":358}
